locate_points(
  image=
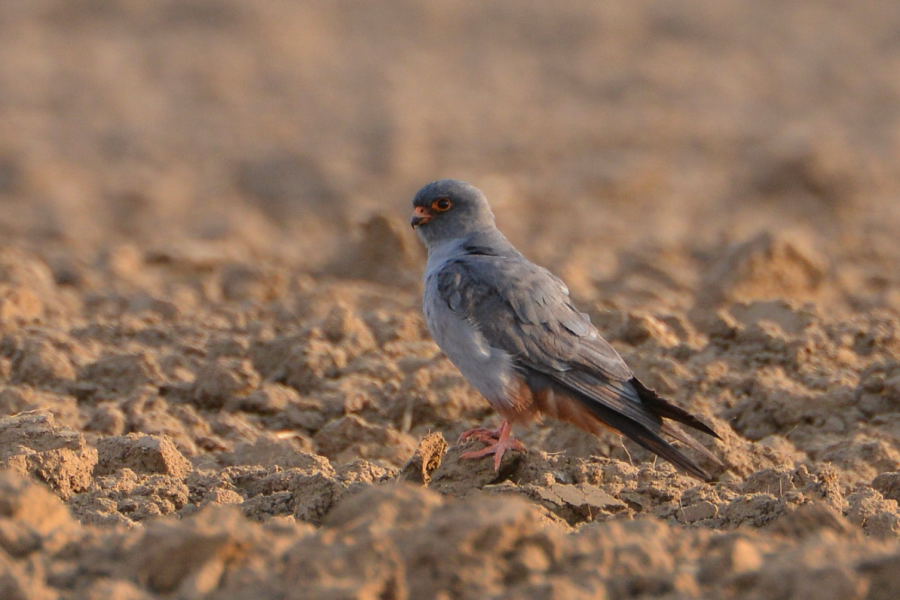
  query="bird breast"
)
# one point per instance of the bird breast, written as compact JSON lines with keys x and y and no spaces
{"x":488,"y":369}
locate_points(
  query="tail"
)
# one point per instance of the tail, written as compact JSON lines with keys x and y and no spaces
{"x":649,"y":439}
{"x":637,"y":415}
{"x":659,"y":406}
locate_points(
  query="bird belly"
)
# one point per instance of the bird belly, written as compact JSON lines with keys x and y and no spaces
{"x":490,"y":370}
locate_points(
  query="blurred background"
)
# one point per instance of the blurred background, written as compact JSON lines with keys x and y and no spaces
{"x":643,"y":149}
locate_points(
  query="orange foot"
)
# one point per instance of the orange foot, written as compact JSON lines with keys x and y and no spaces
{"x":498,"y":440}
{"x":482,"y":434}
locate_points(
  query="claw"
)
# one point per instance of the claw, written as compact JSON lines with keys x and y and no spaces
{"x":499,"y":441}
{"x":481,"y":434}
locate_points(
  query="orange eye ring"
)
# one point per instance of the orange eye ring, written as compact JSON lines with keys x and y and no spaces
{"x":442,"y":205}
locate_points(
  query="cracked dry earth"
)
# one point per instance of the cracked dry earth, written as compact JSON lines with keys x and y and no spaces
{"x":215,"y":381}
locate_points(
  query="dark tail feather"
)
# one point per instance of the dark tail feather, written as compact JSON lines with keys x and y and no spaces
{"x":661,"y":407}
{"x":646,"y":438}
{"x":674,"y":431}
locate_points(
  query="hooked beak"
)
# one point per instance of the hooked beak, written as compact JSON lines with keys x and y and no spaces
{"x":421,"y":216}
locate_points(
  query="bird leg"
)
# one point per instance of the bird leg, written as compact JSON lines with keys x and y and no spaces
{"x":499,"y":441}
{"x":482,"y":434}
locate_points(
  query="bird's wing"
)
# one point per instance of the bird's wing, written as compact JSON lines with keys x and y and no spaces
{"x":524,"y":310}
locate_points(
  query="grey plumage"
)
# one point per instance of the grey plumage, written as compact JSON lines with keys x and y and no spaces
{"x":510,"y":327}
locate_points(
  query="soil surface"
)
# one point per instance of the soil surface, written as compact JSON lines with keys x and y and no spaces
{"x":215,"y":380}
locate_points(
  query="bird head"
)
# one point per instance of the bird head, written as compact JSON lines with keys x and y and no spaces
{"x":450,"y":209}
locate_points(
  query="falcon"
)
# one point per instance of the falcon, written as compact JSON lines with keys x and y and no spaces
{"x":511,"y":328}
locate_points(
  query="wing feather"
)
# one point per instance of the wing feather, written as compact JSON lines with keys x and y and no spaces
{"x":523,"y":309}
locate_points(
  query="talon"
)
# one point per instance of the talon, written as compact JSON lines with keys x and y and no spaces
{"x":498,"y":443}
{"x":481,"y":434}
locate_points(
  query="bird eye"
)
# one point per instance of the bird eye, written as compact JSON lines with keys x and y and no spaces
{"x":441,"y":204}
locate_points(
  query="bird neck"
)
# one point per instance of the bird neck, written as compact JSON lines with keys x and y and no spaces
{"x":488,"y":241}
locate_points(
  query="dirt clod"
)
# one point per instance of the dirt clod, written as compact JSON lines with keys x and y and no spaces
{"x":141,"y":453}
{"x":31,"y":443}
